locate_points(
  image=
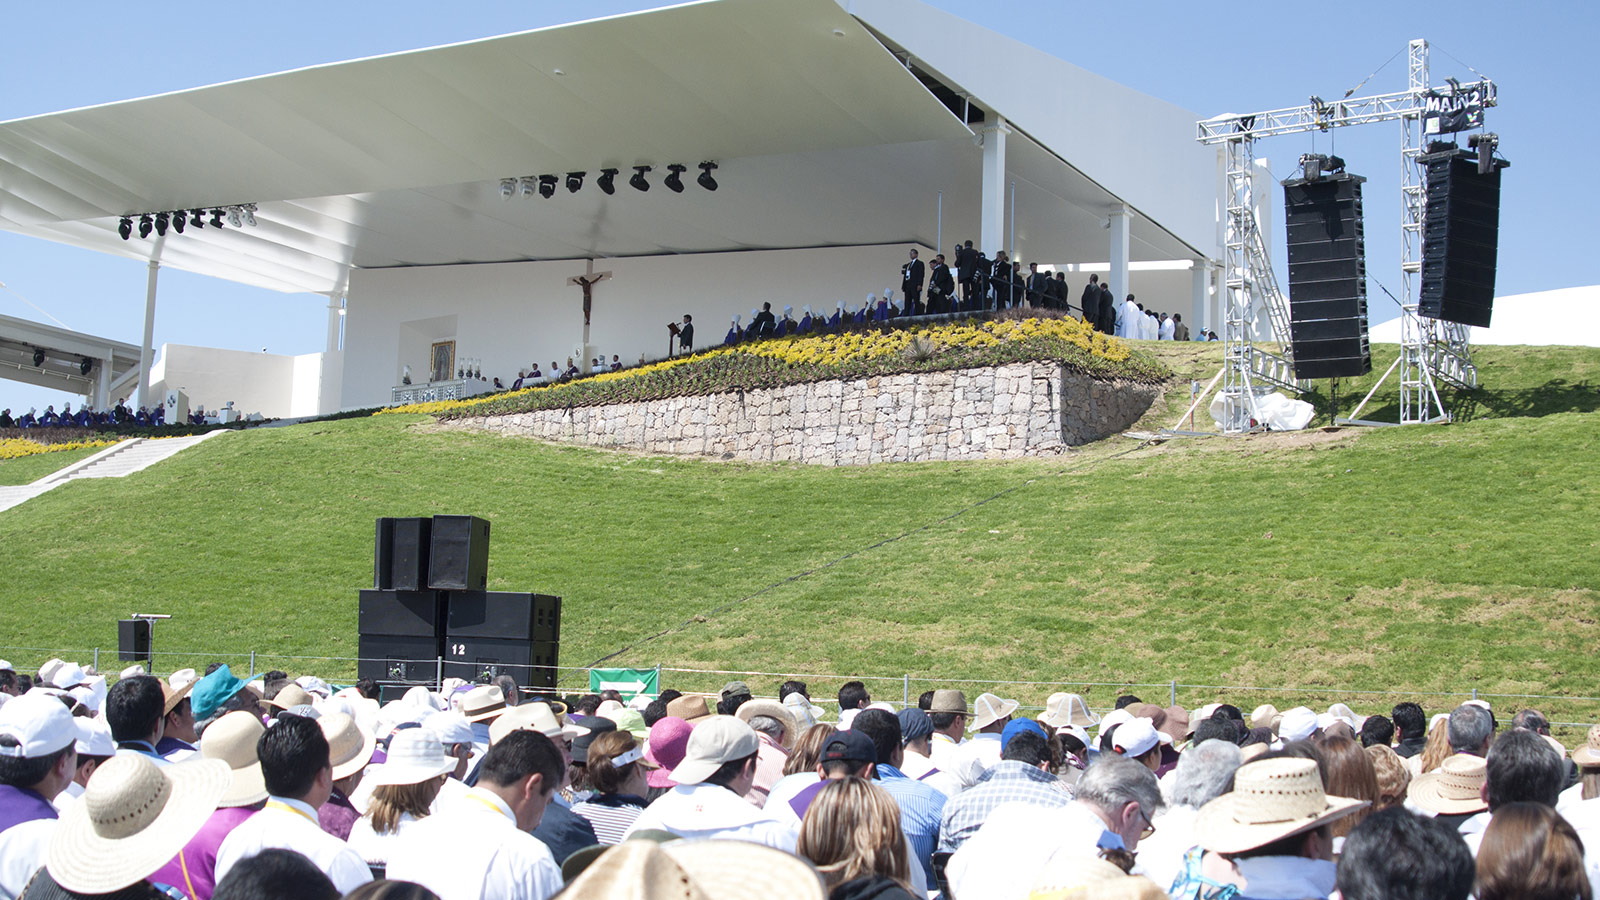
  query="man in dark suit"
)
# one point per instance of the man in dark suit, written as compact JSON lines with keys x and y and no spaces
{"x":1038,"y":286}
{"x":911,"y":277}
{"x":764,"y":322}
{"x":966,"y":271}
{"x":1058,"y":287}
{"x":941,"y":286}
{"x":1108,"y":310}
{"x":1091,"y":302}
{"x":686,"y":334}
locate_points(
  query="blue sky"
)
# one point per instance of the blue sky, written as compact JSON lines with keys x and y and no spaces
{"x":62,"y":56}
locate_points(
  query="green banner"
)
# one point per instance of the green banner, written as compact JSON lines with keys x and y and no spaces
{"x":627,"y":682}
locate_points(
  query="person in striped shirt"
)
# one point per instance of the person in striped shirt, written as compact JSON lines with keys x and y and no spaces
{"x":616,"y":772}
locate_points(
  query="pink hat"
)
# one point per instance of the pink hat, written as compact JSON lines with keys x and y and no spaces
{"x":668,"y":744}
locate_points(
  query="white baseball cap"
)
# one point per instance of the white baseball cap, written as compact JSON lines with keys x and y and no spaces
{"x":448,"y":728}
{"x":1136,"y":737}
{"x":1298,"y":724}
{"x":94,"y":737}
{"x":40,"y":723}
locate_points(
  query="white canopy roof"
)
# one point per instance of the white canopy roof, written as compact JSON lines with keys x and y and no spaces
{"x":822,"y":136}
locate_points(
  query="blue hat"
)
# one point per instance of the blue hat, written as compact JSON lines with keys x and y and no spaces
{"x":212,"y":691}
{"x":1018,"y":726}
{"x":914,"y":723}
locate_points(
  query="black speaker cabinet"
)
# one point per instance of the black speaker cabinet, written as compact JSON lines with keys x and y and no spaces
{"x":504,"y":614}
{"x":399,"y":659}
{"x":531,"y":663}
{"x":401,"y":613}
{"x":133,"y":639}
{"x":459,"y":558}
{"x":400,"y":557}
{"x":1460,"y":238}
{"x":1327,"y":277}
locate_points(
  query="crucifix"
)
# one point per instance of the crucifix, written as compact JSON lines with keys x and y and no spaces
{"x":587,"y":281}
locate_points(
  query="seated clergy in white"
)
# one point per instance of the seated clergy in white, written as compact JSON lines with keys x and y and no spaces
{"x":298,"y":772}
{"x":718,"y":769}
{"x":478,"y":847}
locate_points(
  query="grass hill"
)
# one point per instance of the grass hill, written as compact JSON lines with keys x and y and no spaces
{"x":1426,"y":559}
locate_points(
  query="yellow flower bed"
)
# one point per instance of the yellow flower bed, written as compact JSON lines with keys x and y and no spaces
{"x":836,"y":349}
{"x":16,"y":448}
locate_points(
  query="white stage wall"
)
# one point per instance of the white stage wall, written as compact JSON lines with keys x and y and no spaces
{"x":512,"y":314}
{"x":276,"y":386}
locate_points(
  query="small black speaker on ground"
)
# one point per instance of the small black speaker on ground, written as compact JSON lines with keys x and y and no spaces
{"x":504,"y":614}
{"x":400,"y":556}
{"x":459,"y":558}
{"x":133,"y":639}
{"x":531,"y":663}
{"x":1327,"y":276}
{"x":1460,"y":237}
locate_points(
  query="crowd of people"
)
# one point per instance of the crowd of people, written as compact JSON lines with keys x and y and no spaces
{"x":120,"y":416}
{"x":208,"y":786}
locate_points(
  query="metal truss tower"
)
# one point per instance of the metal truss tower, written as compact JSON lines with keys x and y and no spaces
{"x":1431,"y":350}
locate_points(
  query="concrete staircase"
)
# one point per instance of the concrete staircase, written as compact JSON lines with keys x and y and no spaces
{"x":117,"y":461}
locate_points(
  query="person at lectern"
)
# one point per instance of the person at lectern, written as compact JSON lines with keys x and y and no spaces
{"x":686,"y":334}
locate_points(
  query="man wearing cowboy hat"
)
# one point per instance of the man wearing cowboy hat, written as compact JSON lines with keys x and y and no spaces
{"x":776,"y":729}
{"x":178,"y":737}
{"x":38,"y":757}
{"x":982,"y":750}
{"x":947,"y":712}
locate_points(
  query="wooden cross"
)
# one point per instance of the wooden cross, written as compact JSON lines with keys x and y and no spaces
{"x":587,"y":281}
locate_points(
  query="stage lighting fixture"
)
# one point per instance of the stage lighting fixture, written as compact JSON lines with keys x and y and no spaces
{"x":216,"y":218}
{"x":674,"y":181}
{"x":197,"y":218}
{"x":508,"y":187}
{"x":145,"y":225}
{"x":85,"y":365}
{"x":637,"y":180}
{"x":547,"y":186}
{"x":38,"y":358}
{"x":607,"y":181}
{"x":161,"y":224}
{"x":1334,"y":164}
{"x":178,"y":221}
{"x":250,"y":216}
{"x":575,"y":181}
{"x":529,"y":186}
{"x":125,"y":228}
{"x":705,"y":179}
{"x":234,"y":218}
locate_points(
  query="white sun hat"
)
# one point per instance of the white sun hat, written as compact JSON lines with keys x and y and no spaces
{"x":415,"y":755}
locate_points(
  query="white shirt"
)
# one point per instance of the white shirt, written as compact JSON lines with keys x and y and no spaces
{"x":22,"y":850}
{"x":977,"y":755}
{"x":1128,"y":321}
{"x":1003,"y":859}
{"x":66,"y":798}
{"x":292,"y":825}
{"x":788,"y":786}
{"x":1161,"y":855}
{"x":375,"y":847}
{"x":1167,"y":328}
{"x":711,"y":811}
{"x":486,"y":856}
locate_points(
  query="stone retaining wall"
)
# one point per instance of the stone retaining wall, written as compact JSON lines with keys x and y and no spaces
{"x":1004,"y":412}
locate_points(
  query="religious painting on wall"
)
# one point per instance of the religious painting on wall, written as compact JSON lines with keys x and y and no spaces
{"x":444,"y":361}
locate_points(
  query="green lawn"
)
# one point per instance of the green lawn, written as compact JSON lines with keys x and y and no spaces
{"x":27,"y":469}
{"x":1421,"y":559}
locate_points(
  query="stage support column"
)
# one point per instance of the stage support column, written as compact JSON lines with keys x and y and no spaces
{"x":1201,"y":273}
{"x":1119,"y":253}
{"x":335,"y":307}
{"x":992,"y":222}
{"x":102,"y":386}
{"x":147,"y":352}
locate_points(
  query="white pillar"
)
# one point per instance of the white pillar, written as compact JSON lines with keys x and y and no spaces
{"x":335,"y":305}
{"x":1118,"y":277}
{"x":1201,"y":273}
{"x":992,"y":221}
{"x":102,"y":387}
{"x":147,"y":351}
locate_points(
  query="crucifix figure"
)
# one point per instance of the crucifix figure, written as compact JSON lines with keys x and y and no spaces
{"x":587,"y":281}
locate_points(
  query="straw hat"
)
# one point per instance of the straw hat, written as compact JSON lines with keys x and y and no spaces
{"x":948,"y":702}
{"x":1555,"y":745}
{"x":689,"y":707}
{"x":1589,"y":753}
{"x":47,"y":672}
{"x":349,"y":748}
{"x":1266,"y":716}
{"x":290,"y":696}
{"x":132,"y":671}
{"x":751,"y":708}
{"x":1455,"y":787}
{"x":132,"y":819}
{"x":1271,"y":799}
{"x":182,"y":677}
{"x":1177,"y":724}
{"x":1068,"y":709}
{"x":697,"y":870}
{"x":989,"y":709}
{"x":483,"y":703}
{"x":415,"y":755}
{"x":805,"y":714}
{"x":232,"y":739}
{"x":173,"y":696}
{"x":532,"y":717}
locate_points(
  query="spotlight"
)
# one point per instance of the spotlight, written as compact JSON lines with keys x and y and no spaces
{"x":575,"y":181}
{"x":674,"y":181}
{"x":637,"y":180}
{"x":161,"y":224}
{"x":125,"y":228}
{"x":145,"y":224}
{"x":216,"y":218}
{"x":197,"y":218}
{"x":547,"y":186}
{"x":234,"y":218}
{"x":85,"y":366}
{"x":607,"y":181}
{"x":1335,"y":164}
{"x":705,"y":179}
{"x":250,"y":215}
{"x":38,"y":357}
{"x":178,"y":221}
{"x":530,"y":185}
{"x":508,"y":186}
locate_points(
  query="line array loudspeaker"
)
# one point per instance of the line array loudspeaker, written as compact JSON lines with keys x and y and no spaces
{"x":1460,"y":238}
{"x":1327,"y":277}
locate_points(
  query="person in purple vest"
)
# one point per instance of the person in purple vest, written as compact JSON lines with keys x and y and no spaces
{"x":38,"y":759}
{"x":231,"y":738}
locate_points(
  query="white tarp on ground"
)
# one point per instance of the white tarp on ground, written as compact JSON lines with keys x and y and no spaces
{"x":1568,"y":317}
{"x":1278,"y":413}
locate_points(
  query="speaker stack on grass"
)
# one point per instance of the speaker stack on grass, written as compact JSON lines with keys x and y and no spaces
{"x":429,"y":604}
